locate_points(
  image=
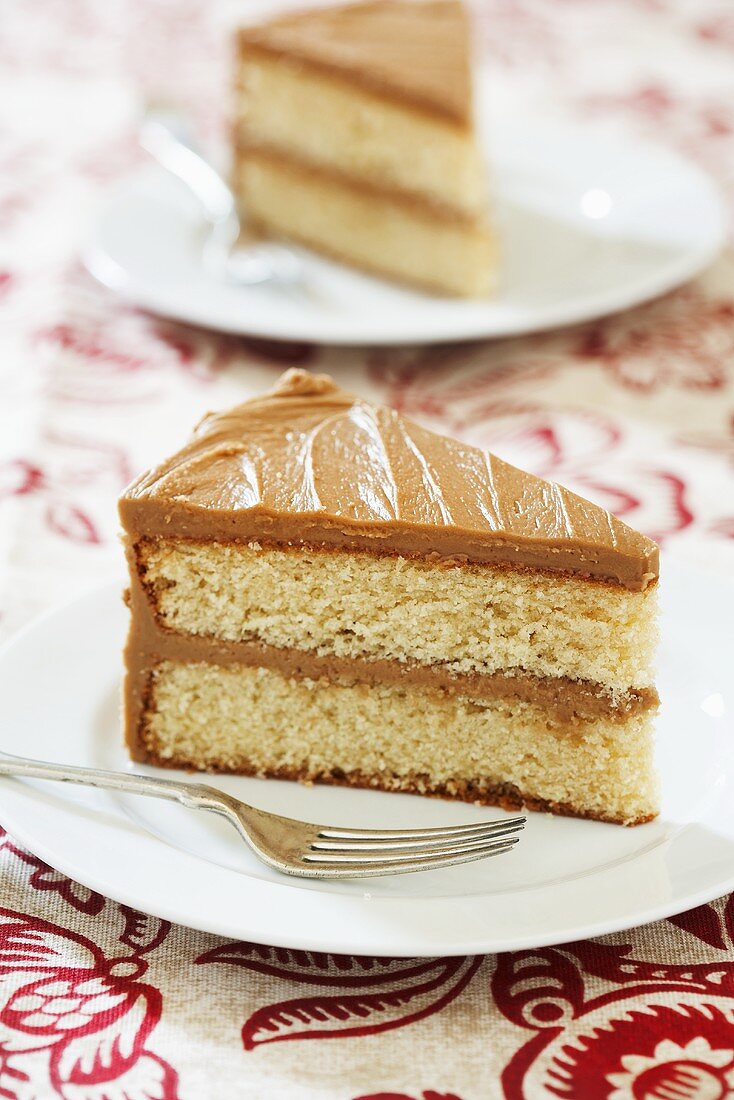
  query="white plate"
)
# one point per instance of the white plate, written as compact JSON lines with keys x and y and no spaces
{"x":588,"y":226}
{"x":566,"y":880}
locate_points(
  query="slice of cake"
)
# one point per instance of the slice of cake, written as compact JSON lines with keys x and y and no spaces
{"x":354,"y":134}
{"x":323,"y":590}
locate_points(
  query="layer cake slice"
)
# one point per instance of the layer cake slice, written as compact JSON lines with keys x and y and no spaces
{"x":354,"y":133}
{"x":323,"y":590}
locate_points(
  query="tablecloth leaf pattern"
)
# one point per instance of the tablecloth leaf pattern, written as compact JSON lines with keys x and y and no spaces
{"x":98,"y":1002}
{"x":374,"y":995}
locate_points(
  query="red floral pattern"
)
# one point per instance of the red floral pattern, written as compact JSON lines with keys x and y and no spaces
{"x":427,"y":1094}
{"x":365,"y":996}
{"x":684,"y":341}
{"x":99,"y":1002}
{"x":658,"y":1030}
{"x":89,"y":1015}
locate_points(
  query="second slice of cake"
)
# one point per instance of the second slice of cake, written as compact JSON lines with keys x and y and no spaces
{"x":354,"y":133}
{"x":323,"y":590}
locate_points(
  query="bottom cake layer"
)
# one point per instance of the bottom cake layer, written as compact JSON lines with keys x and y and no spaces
{"x":359,"y":226}
{"x":256,"y":721}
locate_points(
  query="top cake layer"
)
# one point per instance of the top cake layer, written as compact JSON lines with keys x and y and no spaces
{"x":415,"y":53}
{"x":312,"y":464}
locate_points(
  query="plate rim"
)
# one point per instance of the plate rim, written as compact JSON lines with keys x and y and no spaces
{"x":104,"y":268}
{"x":397,"y":948}
{"x":343,"y":908}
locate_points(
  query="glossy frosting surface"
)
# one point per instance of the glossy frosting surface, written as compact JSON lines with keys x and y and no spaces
{"x":310,"y":463}
{"x":416,"y":51}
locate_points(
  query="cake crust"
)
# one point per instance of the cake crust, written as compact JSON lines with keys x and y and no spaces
{"x":505,"y":795}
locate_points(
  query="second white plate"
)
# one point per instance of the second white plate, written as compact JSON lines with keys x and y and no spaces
{"x":588,"y":226}
{"x":566,"y":880}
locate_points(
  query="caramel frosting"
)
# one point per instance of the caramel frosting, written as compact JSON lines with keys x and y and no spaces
{"x":569,"y":703}
{"x":310,"y":464}
{"x":400,"y":49}
{"x":410,"y":201}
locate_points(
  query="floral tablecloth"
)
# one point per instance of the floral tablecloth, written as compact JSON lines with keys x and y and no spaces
{"x":98,"y":1002}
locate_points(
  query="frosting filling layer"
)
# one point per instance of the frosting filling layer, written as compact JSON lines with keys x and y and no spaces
{"x":428,"y":207}
{"x":566,"y":700}
{"x":390,"y":233}
{"x":178,"y":519}
{"x":570,"y":702}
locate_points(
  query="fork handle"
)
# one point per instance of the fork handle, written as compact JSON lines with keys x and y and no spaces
{"x":193,"y":795}
{"x":174,"y":153}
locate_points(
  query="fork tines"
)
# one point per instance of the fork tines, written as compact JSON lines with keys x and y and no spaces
{"x":375,"y":851}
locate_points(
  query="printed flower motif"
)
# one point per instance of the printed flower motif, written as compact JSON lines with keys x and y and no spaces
{"x":277,"y":352}
{"x":64,"y":517}
{"x":80,"y":897}
{"x":90,"y":1015}
{"x":453,"y":385}
{"x":515,"y":34}
{"x":683,"y":341}
{"x":72,"y":523}
{"x":709,"y":924}
{"x":699,"y":125}
{"x":109,"y":355}
{"x":142,"y":932}
{"x":717,"y":30}
{"x":149,"y":1078}
{"x":723,"y":527}
{"x":718,"y":442}
{"x":660,"y":1029}
{"x":618,"y":1044}
{"x":694,"y":1070}
{"x":72,"y":464}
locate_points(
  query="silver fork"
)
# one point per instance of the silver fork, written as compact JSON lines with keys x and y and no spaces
{"x":298,"y":847}
{"x":164,"y":134}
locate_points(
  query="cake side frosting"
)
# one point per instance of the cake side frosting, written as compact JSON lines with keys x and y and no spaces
{"x":309,"y":462}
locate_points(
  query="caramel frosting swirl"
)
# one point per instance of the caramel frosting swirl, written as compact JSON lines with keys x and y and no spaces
{"x":308,"y":463}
